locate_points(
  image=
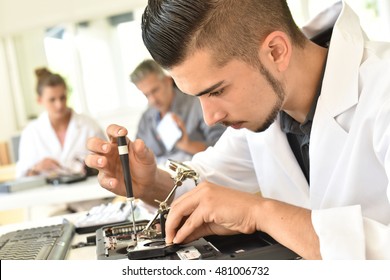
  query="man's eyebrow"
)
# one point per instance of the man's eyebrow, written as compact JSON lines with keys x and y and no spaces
{"x":207,"y":90}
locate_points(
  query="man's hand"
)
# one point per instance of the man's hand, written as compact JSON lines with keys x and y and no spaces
{"x":211,"y":209}
{"x":185,"y":143}
{"x":105,"y":158}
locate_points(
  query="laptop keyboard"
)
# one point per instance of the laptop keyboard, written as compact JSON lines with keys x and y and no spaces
{"x":39,"y":243}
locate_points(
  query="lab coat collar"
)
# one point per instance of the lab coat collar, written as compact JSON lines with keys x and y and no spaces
{"x":324,"y":20}
{"x":74,"y":128}
{"x":339,"y":95}
{"x":340,"y":88}
{"x":276,"y":142}
{"x":49,"y":132}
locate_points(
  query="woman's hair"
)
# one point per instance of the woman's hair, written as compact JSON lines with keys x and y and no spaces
{"x":174,"y":29}
{"x":45,"y":78}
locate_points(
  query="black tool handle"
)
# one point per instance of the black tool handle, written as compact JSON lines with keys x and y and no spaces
{"x":124,"y":156}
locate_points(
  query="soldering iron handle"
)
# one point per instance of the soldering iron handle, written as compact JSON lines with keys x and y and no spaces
{"x":124,"y":156}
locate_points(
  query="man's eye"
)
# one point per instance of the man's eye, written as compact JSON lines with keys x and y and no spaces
{"x":216,"y":93}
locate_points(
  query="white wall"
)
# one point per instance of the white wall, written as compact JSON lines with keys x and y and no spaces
{"x":7,"y":116}
{"x":30,"y":55}
{"x":21,"y":15}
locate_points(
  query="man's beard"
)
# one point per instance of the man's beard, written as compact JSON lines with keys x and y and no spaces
{"x":280,"y":93}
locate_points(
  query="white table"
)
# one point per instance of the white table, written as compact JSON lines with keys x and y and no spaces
{"x":50,"y":194}
{"x":142,"y":212}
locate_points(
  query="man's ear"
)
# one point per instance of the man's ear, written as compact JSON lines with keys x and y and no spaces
{"x":276,"y":49}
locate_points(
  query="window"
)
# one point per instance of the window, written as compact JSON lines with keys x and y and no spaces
{"x":374,"y":14}
{"x":96,"y":58}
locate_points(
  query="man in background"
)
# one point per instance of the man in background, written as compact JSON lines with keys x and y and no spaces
{"x":166,"y":100}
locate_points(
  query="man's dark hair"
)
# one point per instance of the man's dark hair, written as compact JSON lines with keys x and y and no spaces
{"x":174,"y":29}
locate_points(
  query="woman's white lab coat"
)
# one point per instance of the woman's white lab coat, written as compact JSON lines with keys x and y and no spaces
{"x":349,"y":189}
{"x":38,"y":141}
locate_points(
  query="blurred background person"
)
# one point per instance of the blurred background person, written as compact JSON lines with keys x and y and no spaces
{"x":55,"y":142}
{"x":164,"y":98}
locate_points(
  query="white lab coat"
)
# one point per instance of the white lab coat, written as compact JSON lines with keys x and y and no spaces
{"x":38,"y":141}
{"x":349,"y":189}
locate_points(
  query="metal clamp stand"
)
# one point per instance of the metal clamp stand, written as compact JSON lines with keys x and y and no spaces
{"x":183,"y":172}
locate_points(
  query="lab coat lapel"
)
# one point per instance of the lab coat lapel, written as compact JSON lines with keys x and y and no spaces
{"x":335,"y":106}
{"x":277,"y":145}
{"x":340,"y":83}
{"x":71,"y":137}
{"x":49,"y":136}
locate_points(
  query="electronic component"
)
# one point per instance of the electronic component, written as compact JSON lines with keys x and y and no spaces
{"x":112,"y":243}
{"x":103,"y":214}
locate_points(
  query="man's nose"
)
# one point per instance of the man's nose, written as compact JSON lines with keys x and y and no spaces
{"x":211,"y":113}
{"x":59,"y":104}
{"x":152,"y":100}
